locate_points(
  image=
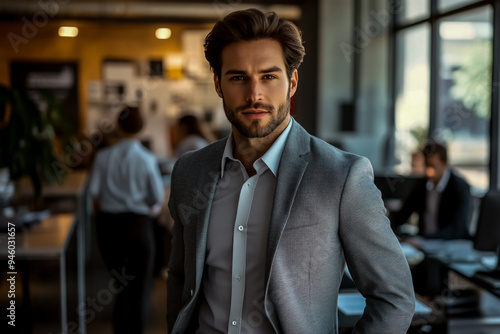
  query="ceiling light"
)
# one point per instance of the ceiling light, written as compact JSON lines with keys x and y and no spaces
{"x":66,"y":31}
{"x":163,"y":33}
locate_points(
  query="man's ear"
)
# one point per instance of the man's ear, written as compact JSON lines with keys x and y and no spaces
{"x":217,"y":85}
{"x":294,"y":80}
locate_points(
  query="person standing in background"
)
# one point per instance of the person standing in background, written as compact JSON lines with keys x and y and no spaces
{"x":127,"y":191}
{"x":190,"y":135}
{"x":266,"y":219}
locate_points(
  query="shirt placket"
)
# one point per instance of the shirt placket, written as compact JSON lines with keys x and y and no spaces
{"x":239,"y":254}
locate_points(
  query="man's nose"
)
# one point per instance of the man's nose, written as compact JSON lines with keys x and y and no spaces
{"x":254,"y":92}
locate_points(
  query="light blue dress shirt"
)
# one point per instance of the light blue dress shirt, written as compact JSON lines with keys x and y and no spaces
{"x":126,"y":178}
{"x":234,"y":278}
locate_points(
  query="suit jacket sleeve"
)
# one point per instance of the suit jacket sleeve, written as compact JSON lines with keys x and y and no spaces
{"x":374,"y":256}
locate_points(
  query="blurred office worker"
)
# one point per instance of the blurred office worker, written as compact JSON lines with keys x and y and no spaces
{"x":442,"y":203}
{"x":191,"y":137}
{"x":127,"y":189}
{"x":267,"y":218}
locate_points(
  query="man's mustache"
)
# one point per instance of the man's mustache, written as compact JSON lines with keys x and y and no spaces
{"x":255,"y":105}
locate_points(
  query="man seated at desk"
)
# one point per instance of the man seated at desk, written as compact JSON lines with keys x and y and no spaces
{"x":442,"y":204}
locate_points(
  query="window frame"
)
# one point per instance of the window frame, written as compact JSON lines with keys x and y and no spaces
{"x":435,"y":53}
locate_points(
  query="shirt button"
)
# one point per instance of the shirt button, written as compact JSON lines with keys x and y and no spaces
{"x":249,"y":184}
{"x":240,"y":228}
{"x":237,"y":278}
{"x":234,"y":323}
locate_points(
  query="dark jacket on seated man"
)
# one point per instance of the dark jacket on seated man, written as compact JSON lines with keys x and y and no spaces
{"x":442,"y":204}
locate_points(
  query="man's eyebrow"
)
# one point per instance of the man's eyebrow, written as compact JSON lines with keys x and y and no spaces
{"x":266,"y":70}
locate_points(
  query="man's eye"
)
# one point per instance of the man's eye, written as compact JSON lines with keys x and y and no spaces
{"x":237,"y":78}
{"x":269,"y":77}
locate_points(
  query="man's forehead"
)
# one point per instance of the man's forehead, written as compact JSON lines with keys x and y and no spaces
{"x":258,"y":54}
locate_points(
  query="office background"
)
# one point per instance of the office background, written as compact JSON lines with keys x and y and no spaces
{"x":378,"y":78}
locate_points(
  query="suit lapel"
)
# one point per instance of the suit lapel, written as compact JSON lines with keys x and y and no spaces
{"x":292,"y":167}
{"x":207,"y":185}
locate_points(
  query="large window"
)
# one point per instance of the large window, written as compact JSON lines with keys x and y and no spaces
{"x":412,"y":98}
{"x":445,"y":5}
{"x":414,"y":9}
{"x":442,"y":77}
{"x":464,"y":99}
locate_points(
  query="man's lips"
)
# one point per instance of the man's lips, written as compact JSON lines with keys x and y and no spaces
{"x":255,"y":113}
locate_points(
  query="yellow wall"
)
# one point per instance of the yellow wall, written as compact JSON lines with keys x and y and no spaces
{"x":95,"y":42}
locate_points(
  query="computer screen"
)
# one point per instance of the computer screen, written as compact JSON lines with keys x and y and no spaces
{"x":487,"y":236}
{"x":395,"y":186}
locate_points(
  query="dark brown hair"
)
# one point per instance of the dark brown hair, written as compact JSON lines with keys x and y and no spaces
{"x":130,"y":120}
{"x":433,"y":147}
{"x":190,"y":124}
{"x":252,"y":24}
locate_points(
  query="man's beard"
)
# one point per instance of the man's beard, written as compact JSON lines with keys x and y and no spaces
{"x":255,"y":130}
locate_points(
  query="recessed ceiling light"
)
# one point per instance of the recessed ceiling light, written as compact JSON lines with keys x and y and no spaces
{"x":66,"y":31}
{"x":163,"y":33}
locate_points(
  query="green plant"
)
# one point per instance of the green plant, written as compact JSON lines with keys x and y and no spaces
{"x":473,"y":79}
{"x":420,"y":135}
{"x":26,"y":139}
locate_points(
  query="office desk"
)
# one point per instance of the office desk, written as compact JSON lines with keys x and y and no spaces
{"x":46,"y":240}
{"x":460,"y":257}
{"x":463,"y":294}
{"x":351,"y":305}
{"x":468,"y":271}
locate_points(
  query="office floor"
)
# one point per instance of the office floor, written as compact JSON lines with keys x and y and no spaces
{"x":46,"y":317}
{"x":98,"y":305}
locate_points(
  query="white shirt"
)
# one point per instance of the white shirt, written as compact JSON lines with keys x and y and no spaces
{"x":190,"y":143}
{"x":126,"y":178}
{"x":234,"y":279}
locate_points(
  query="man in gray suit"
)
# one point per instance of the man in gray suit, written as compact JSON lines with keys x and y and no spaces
{"x":267,"y":218}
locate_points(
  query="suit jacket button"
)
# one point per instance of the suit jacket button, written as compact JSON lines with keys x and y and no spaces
{"x":192,"y":292}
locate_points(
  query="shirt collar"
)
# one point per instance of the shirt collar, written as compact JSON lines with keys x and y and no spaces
{"x":271,"y":158}
{"x":442,"y":183}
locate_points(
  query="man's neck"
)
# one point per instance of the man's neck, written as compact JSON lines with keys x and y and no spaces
{"x":248,"y":150}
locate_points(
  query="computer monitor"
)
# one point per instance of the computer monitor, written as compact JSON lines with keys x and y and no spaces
{"x":395,"y":186}
{"x":487,"y":236}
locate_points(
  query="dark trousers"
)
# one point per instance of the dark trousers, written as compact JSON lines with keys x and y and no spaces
{"x":126,"y":244}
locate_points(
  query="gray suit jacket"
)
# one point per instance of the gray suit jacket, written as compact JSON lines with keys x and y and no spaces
{"x":326,"y":212}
